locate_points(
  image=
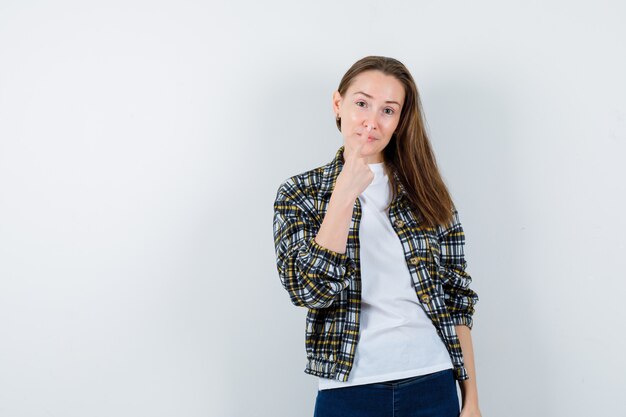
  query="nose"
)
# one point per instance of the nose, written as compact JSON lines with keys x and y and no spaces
{"x":369,"y":125}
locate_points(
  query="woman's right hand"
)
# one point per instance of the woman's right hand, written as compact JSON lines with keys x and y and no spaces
{"x":355,"y":175}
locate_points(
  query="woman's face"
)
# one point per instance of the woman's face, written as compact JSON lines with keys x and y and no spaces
{"x":373,"y":99}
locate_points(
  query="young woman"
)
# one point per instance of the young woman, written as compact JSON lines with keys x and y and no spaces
{"x":371,"y":244}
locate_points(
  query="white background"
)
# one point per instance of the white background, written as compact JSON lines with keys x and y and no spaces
{"x":142,"y":144}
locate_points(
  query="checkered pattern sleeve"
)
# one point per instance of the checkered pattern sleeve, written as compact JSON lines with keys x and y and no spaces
{"x":312,"y":274}
{"x":459,"y":298}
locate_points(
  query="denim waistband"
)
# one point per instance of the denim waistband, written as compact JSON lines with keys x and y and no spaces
{"x":408,"y":380}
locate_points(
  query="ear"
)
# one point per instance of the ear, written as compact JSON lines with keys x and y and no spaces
{"x":336,"y":101}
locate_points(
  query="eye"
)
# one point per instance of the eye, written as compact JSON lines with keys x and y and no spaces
{"x":391,"y":111}
{"x":360,"y":101}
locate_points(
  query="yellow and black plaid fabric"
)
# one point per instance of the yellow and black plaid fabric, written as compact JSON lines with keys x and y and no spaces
{"x":328,"y":283}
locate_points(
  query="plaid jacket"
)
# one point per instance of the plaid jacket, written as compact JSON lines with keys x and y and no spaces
{"x":328,"y":283}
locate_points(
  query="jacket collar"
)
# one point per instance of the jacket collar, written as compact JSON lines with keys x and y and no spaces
{"x":332,"y":170}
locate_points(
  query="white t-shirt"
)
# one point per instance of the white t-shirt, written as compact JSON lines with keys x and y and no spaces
{"x":397,"y":339}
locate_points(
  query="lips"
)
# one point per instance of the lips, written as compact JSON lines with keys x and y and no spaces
{"x":369,"y":137}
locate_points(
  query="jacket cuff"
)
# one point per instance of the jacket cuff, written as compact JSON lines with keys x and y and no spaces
{"x":319,"y":251}
{"x":463,"y":320}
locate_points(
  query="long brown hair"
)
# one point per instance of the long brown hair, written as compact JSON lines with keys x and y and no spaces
{"x":409,"y":151}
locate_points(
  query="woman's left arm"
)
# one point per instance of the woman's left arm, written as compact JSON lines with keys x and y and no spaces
{"x":460,"y":300}
{"x":469,"y":390}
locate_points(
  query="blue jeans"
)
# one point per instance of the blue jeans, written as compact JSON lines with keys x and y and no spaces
{"x":431,"y":395}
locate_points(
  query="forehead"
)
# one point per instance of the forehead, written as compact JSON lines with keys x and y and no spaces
{"x":380,"y":86}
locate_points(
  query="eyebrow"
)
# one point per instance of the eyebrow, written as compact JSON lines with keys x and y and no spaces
{"x":368,"y":96}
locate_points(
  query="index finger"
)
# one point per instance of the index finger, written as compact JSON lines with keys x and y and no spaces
{"x":355,"y":151}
